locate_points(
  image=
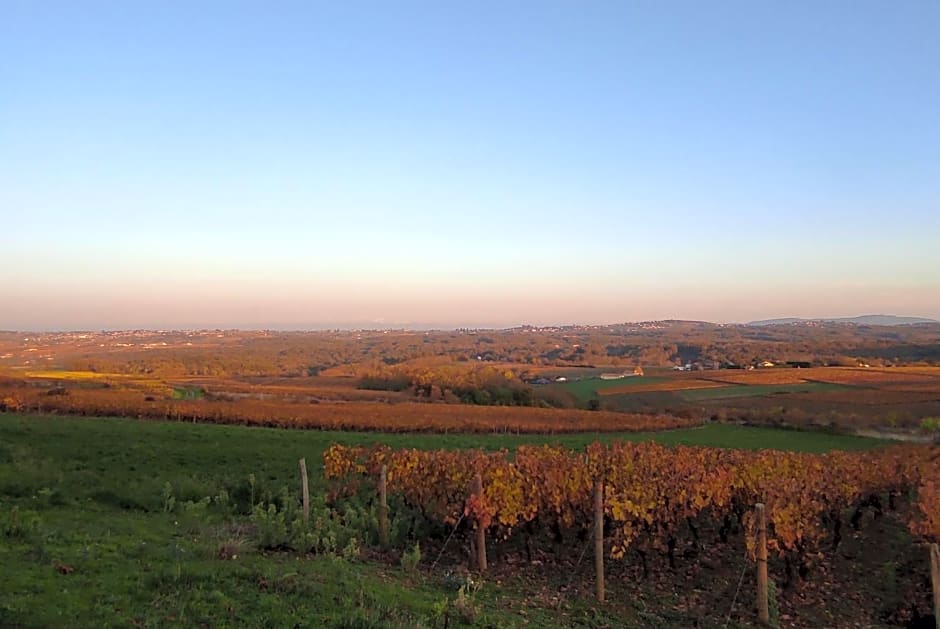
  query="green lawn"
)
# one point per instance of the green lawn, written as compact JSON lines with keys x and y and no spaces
{"x":756,"y":390}
{"x":89,"y":500}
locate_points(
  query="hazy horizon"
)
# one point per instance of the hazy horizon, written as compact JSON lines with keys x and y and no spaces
{"x":224,"y":165}
{"x":405,"y":325}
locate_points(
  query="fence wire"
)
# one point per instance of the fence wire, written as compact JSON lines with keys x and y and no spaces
{"x":447,"y":541}
{"x":736,"y":591}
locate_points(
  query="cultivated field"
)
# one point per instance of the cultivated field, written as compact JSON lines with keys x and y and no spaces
{"x":588,"y":388}
{"x":279,"y":413}
{"x":151,"y":523}
{"x":224,"y":375}
{"x":828,"y":397}
{"x":645,"y":385}
{"x":161,"y":519}
{"x":757,"y":390}
{"x":847,"y":398}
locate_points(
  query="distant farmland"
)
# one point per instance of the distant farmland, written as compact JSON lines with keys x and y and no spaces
{"x":662,"y":384}
{"x":849,"y":397}
{"x":756,"y":390}
{"x":695,"y":389}
{"x":589,"y":388}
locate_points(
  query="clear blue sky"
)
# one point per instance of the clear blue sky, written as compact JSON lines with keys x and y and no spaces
{"x":177,"y":164}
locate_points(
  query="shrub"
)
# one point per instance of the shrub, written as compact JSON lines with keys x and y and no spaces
{"x":411,"y":559}
{"x":280,"y":525}
{"x":169,"y":501}
{"x":465,"y":602}
{"x":22,"y":525}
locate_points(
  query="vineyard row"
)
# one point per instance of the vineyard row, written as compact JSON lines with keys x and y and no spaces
{"x":652,"y":493}
{"x":388,"y":417}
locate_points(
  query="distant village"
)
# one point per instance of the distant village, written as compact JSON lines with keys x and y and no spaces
{"x":762,"y":364}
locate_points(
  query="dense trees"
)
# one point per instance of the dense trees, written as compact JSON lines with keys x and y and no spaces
{"x":461,"y":382}
{"x":300,"y":354}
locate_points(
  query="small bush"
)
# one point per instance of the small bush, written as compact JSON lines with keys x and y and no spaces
{"x":772,"y":606}
{"x":930,"y":424}
{"x":51,"y":497}
{"x":411,"y":559}
{"x":10,"y":404}
{"x":230,"y":548}
{"x":465,"y":602}
{"x":352,"y":549}
{"x":280,"y":525}
{"x":169,"y":501}
{"x":21,"y":525}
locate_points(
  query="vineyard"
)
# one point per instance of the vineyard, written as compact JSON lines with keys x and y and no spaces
{"x":95,"y":503}
{"x":867,"y":397}
{"x":858,"y":376}
{"x":440,"y":394}
{"x":400,"y":417}
{"x":657,"y":499}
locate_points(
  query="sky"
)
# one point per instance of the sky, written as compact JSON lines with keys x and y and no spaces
{"x":302,"y":165}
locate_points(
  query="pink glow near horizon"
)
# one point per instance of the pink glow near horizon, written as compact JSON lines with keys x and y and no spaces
{"x":315,"y":304}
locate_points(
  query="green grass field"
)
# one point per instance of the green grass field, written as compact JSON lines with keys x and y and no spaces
{"x":99,"y":548}
{"x":188,"y":393}
{"x":757,"y":390}
{"x":587,"y":389}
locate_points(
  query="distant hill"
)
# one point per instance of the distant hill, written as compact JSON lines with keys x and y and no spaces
{"x":784,"y":321}
{"x":862,"y":320}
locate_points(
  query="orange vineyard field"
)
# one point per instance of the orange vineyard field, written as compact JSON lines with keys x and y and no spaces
{"x":868,"y":397}
{"x":656,"y":495}
{"x":507,"y":380}
{"x":837,"y":375}
{"x":401,"y":417}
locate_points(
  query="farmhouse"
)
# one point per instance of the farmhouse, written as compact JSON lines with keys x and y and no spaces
{"x":638,"y":371}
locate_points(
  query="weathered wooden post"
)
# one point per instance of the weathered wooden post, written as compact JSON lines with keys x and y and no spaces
{"x":477,"y":490}
{"x":383,"y":505}
{"x":763,"y":610}
{"x":599,"y":539}
{"x":935,"y":580}
{"x":305,"y":489}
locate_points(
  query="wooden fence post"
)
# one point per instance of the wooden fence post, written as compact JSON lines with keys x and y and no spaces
{"x":935,"y":580}
{"x":305,"y":489}
{"x":477,"y":490}
{"x":599,"y":539}
{"x":383,"y":505}
{"x":763,"y":610}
